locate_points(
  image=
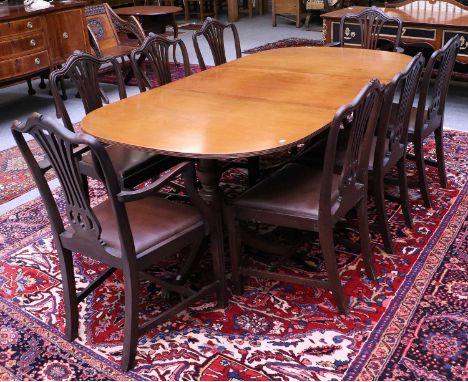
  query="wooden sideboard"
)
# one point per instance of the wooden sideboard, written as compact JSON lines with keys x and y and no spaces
{"x":425,"y":22}
{"x":33,"y":42}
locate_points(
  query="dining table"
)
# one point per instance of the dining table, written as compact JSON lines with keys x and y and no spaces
{"x":259,"y":104}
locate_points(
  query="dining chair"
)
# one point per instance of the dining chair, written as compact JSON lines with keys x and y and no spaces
{"x":428,"y":117}
{"x":314,"y":199}
{"x":130,"y":230}
{"x":153,"y":55}
{"x":389,"y":148}
{"x":371,"y":21}
{"x":213,"y":32}
{"x":133,"y":166}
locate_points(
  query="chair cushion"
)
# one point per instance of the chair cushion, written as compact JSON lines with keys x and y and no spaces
{"x":294,"y":190}
{"x":152,"y":220}
{"x":126,"y":160}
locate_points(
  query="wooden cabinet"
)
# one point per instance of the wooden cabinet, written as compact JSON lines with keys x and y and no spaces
{"x":31,"y":42}
{"x":67,"y":33}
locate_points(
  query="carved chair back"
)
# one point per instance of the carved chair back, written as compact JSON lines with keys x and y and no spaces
{"x":58,"y":143}
{"x":213,"y":32}
{"x":392,"y":131}
{"x":83,"y":69}
{"x":154,"y":53}
{"x":104,"y":25}
{"x":360,"y":117}
{"x":371,"y":20}
{"x":432,"y":98}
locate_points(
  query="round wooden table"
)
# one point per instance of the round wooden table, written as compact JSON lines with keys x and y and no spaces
{"x":153,"y":18}
{"x":259,"y":104}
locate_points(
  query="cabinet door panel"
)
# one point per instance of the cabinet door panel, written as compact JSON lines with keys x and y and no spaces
{"x":67,"y":33}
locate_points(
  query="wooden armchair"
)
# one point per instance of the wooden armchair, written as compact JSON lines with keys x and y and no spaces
{"x":104,"y":26}
{"x":130,"y":230}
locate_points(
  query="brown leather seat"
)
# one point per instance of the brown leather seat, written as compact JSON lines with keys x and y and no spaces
{"x":293,"y":190}
{"x":152,"y":220}
{"x":127,"y":161}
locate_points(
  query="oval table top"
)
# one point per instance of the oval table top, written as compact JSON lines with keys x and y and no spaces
{"x":258,"y":104}
{"x":147,"y":10}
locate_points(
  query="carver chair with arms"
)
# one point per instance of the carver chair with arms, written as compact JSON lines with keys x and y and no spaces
{"x":371,"y":21}
{"x":104,"y":26}
{"x":314,"y":199}
{"x":153,"y":54}
{"x":130,"y":230}
{"x":133,"y":166}
{"x":428,"y":117}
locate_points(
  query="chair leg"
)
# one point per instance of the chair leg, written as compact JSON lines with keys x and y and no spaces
{"x":439,"y":138}
{"x":202,"y":10}
{"x":250,"y":6}
{"x":403,"y":185}
{"x":253,"y":169}
{"x":131,"y":319}
{"x":329,"y":254}
{"x":382,"y":220}
{"x":366,"y":248}
{"x":186,"y":11}
{"x":234,"y":250}
{"x":31,"y":90}
{"x":421,"y":167}
{"x":69,"y":293}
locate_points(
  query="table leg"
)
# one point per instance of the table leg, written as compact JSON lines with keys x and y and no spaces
{"x":209,"y":174}
{"x":176,"y":33}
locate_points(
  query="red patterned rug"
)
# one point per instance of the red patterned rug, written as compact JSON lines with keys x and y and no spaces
{"x":408,"y":324}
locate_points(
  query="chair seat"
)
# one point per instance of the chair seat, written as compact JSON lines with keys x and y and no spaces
{"x":118,"y":50}
{"x":412,"y":122}
{"x":294,"y":190}
{"x":152,"y":220}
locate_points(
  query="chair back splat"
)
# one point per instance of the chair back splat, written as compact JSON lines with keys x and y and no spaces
{"x":83,"y":69}
{"x":392,"y":132}
{"x":58,"y":144}
{"x":432,"y":98}
{"x":213,"y":32}
{"x":154,"y":52}
{"x":371,"y":21}
{"x":360,"y":117}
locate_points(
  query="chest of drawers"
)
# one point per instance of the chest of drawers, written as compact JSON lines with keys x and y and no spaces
{"x":31,"y":42}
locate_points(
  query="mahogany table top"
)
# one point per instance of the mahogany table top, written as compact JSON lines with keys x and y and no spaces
{"x":147,"y":10}
{"x":254,"y":105}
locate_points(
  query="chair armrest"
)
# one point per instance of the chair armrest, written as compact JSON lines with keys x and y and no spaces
{"x":133,"y":195}
{"x":132,"y":25}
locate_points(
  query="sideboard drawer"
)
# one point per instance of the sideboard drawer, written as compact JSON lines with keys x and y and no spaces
{"x":31,"y":63}
{"x":20,"y":26}
{"x":22,"y":45}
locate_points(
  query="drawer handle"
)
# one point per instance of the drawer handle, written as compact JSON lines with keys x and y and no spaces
{"x":32,"y":42}
{"x":29,"y":25}
{"x":37,"y":61}
{"x":65,"y":35}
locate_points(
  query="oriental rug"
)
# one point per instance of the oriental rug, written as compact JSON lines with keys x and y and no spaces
{"x":408,"y":324}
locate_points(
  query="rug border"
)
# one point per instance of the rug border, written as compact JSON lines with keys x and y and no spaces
{"x":357,"y":370}
{"x":56,"y":337}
